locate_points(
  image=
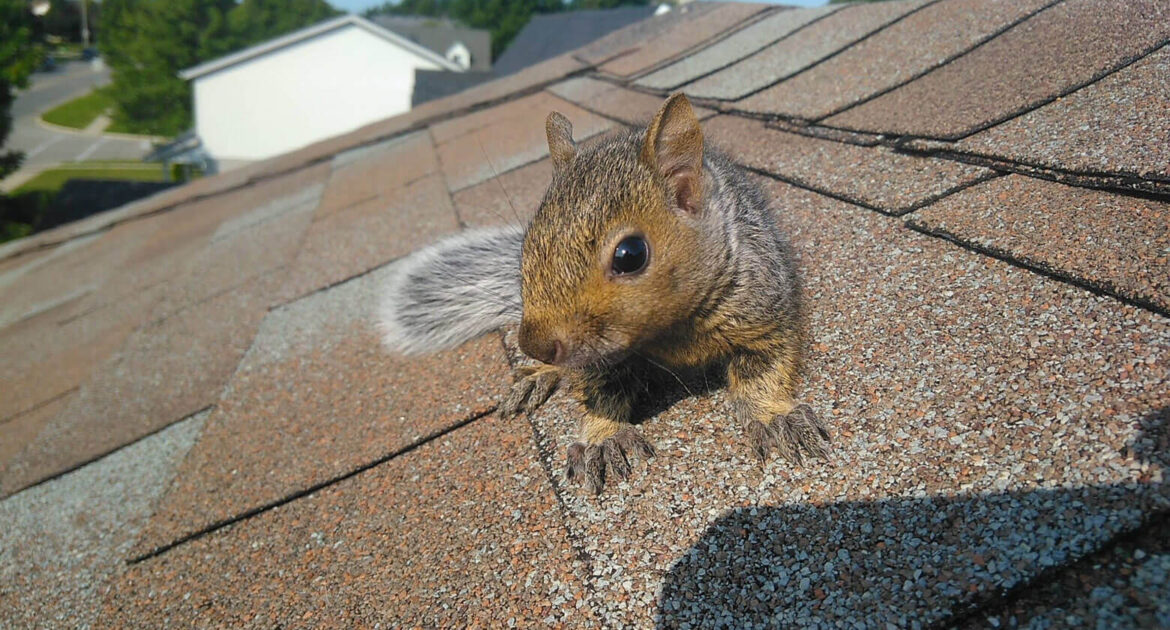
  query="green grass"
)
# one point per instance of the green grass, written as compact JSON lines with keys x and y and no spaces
{"x":68,"y":50}
{"x":118,"y":126}
{"x":24,"y":207}
{"x":81,"y":111}
{"x":53,"y":179}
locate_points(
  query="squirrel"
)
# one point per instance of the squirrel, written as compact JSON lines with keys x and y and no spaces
{"x":647,"y":246}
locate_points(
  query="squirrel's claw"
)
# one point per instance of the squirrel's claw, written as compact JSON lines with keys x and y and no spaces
{"x":790,"y":436}
{"x":533,"y":386}
{"x":592,"y":463}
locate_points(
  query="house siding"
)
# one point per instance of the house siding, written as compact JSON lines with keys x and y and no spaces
{"x":308,"y":91}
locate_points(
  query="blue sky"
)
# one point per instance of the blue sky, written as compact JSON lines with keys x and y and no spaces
{"x":357,"y":6}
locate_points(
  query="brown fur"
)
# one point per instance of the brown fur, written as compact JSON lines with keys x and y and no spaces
{"x":688,"y":308}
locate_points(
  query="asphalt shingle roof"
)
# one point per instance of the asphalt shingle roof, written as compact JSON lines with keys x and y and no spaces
{"x":546,"y":36}
{"x":198,"y":427}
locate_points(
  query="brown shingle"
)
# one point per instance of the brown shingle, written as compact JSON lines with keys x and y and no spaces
{"x":361,"y":237}
{"x":1124,"y":585}
{"x":371,"y":171}
{"x":627,"y":106}
{"x":529,"y":79}
{"x":43,"y":361}
{"x":1117,"y":126}
{"x":55,"y":350}
{"x":245,"y":247}
{"x":96,"y":223}
{"x":68,"y":270}
{"x":1042,"y":58}
{"x":511,"y":198}
{"x":64,"y":540}
{"x":972,"y":405}
{"x":165,"y":372}
{"x":723,"y":18}
{"x":738,"y":45}
{"x":172,"y":242}
{"x":462,"y":531}
{"x":17,"y":432}
{"x":496,"y":140}
{"x":1116,"y":243}
{"x":800,"y":50}
{"x":627,"y":40}
{"x":923,"y":40}
{"x":873,"y":176}
{"x":317,"y":397}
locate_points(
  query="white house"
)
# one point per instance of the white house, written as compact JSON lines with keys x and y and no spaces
{"x":309,"y":85}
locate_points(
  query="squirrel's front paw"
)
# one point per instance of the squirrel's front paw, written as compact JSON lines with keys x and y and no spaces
{"x":592,"y":463}
{"x":534,"y":384}
{"x":790,"y":436}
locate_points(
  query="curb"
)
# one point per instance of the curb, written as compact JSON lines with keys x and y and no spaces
{"x":41,"y":122}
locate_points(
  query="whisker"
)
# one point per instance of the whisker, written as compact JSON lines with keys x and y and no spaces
{"x":500,"y":183}
{"x":656,"y":364}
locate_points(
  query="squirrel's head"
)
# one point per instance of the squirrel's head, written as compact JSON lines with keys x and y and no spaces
{"x":615,"y":256}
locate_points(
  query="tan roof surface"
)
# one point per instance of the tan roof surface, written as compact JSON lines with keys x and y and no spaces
{"x":198,"y":428}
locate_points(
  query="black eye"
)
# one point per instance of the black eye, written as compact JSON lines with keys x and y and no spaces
{"x":630,"y":255}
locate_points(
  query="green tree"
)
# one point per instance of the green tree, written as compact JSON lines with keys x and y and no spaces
{"x":20,"y":54}
{"x":147,"y":42}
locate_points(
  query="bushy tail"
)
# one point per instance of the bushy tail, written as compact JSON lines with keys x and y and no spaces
{"x":452,"y":291}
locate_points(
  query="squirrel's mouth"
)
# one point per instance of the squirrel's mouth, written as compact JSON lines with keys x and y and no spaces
{"x":595,"y":354}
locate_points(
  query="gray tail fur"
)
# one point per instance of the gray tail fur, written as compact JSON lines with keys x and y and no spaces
{"x":452,"y":291}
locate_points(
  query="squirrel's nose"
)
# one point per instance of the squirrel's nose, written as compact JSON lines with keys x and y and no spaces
{"x":552,"y":353}
{"x":547,"y":349}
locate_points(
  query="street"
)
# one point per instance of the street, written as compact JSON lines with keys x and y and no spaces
{"x":43,"y":146}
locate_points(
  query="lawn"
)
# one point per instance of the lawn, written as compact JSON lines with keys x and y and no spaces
{"x":81,"y":111}
{"x":37,"y":202}
{"x":53,"y":179}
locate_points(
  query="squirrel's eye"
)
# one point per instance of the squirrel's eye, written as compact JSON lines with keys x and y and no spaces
{"x":630,"y":255}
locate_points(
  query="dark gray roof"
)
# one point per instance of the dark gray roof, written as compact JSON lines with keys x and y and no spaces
{"x":439,"y":35}
{"x":434,"y":84}
{"x":546,"y":36}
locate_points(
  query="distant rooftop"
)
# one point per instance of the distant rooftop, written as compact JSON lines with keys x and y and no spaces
{"x":546,"y":36}
{"x":440,"y":35}
{"x":310,"y":32}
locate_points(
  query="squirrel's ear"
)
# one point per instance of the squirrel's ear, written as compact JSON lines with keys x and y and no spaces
{"x":560,"y":140}
{"x":674,"y":146}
